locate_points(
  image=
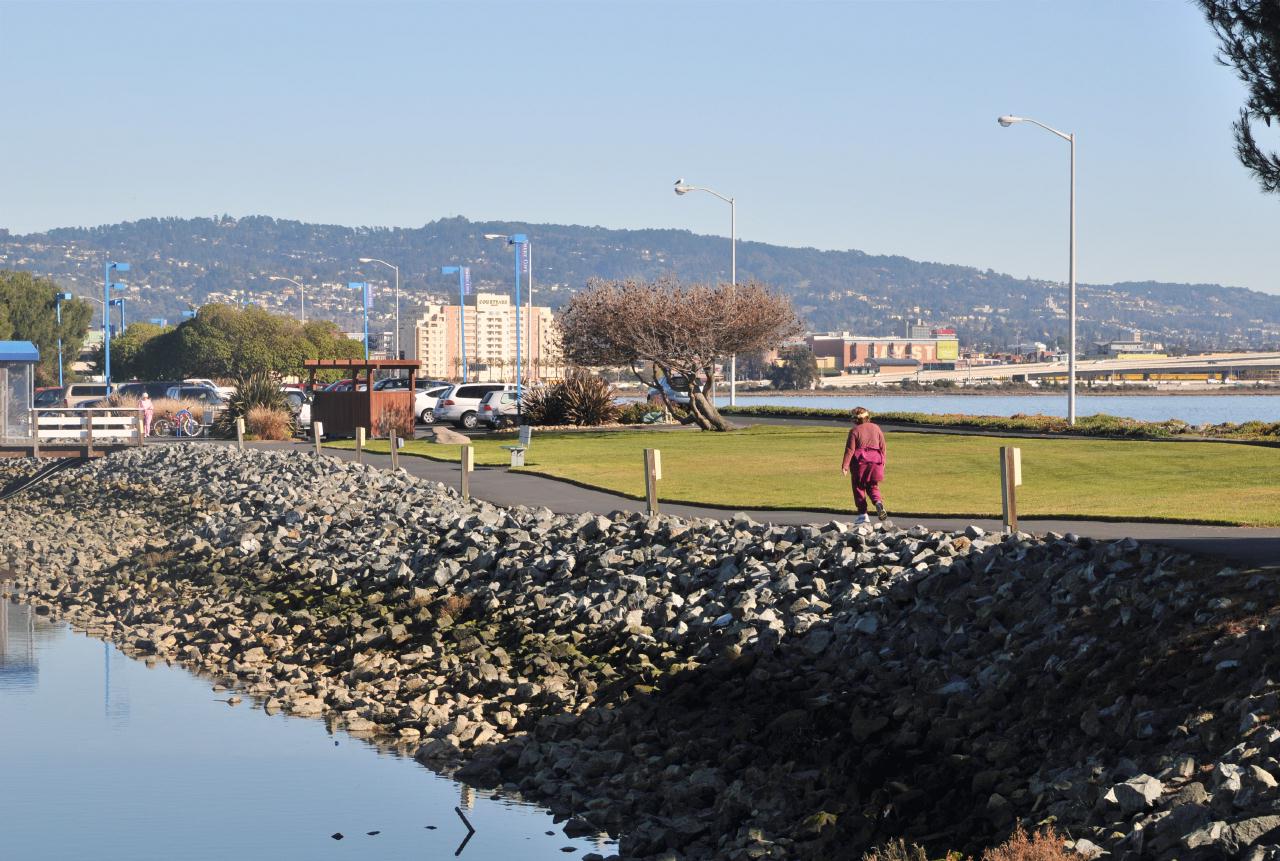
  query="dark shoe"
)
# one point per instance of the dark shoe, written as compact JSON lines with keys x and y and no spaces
{"x":881,"y":513}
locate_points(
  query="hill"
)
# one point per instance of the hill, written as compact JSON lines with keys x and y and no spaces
{"x":178,"y":262}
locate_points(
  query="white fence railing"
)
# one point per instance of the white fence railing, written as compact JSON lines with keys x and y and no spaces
{"x":88,"y":426}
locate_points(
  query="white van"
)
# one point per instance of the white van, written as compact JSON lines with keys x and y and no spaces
{"x":78,"y":393}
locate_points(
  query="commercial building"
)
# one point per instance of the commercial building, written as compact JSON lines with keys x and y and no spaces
{"x":489,"y":324}
{"x":1129,"y":348}
{"x":940,"y":348}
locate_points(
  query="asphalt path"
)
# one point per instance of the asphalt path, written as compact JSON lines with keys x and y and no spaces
{"x":1246,"y":545}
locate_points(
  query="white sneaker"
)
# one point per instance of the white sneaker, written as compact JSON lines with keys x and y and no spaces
{"x":862,"y":518}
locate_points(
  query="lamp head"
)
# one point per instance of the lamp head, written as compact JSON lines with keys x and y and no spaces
{"x":681,"y":188}
{"x":366,"y":259}
{"x":64,"y":297}
{"x":450,"y":270}
{"x":116,"y":285}
{"x":119,"y":267}
{"x":516,"y":237}
{"x":1008,"y":120}
{"x":495,"y":236}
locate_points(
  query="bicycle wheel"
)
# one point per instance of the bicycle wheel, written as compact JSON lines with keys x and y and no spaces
{"x":161,"y":427}
{"x":190,"y":427}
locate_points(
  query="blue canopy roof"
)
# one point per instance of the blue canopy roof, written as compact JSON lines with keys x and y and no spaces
{"x":18,"y":351}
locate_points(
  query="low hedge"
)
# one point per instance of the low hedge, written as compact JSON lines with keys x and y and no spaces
{"x":1100,"y":425}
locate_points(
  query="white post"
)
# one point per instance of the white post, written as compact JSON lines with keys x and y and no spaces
{"x":733,"y":281}
{"x":652,"y":472}
{"x":240,"y":433}
{"x":360,"y":445}
{"x":1071,"y":352}
{"x":317,"y":433}
{"x":468,"y":463}
{"x":393,"y":441}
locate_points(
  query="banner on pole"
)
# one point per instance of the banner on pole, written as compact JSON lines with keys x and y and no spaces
{"x":368,"y":294}
{"x":524,"y":257}
{"x":466,"y":280}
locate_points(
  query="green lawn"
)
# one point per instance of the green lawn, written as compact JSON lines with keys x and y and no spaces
{"x":927,"y":474}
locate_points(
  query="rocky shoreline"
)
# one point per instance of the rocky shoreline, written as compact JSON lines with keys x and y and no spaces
{"x":702,"y":689}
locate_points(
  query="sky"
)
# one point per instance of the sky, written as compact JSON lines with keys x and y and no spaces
{"x":836,"y":125}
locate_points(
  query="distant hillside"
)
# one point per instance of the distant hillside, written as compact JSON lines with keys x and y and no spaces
{"x":177,"y":262}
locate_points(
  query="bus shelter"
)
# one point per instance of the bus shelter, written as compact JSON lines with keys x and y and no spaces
{"x":356,"y":404}
{"x":18,"y":360}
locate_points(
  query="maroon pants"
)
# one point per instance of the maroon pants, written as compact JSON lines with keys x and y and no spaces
{"x":866,"y":482}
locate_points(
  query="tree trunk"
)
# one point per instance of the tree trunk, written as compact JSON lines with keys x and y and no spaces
{"x":703,"y":407}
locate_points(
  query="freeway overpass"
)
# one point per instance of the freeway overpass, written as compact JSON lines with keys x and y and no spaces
{"x":1220,"y":365}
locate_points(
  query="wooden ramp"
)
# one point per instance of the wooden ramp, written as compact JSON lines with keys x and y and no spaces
{"x":76,"y":432}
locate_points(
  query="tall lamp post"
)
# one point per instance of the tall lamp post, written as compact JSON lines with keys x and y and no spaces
{"x":58,"y":299}
{"x":107,"y":287}
{"x":464,"y":287}
{"x":397,"y":268}
{"x":681,"y":188}
{"x":528,"y":256}
{"x":363,"y":287}
{"x":118,"y":302}
{"x":1070,"y":138}
{"x":302,"y":292}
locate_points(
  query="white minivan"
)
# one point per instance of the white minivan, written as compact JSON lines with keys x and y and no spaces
{"x":461,"y":403}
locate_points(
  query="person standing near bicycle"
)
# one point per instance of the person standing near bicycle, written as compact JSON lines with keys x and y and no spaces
{"x":148,"y":413}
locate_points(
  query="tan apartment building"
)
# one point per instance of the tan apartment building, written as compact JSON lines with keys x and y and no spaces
{"x":489,"y":324}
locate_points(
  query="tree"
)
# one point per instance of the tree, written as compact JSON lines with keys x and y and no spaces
{"x":664,"y":329}
{"x":797,"y":368}
{"x":1249,"y":32}
{"x":28,"y":313}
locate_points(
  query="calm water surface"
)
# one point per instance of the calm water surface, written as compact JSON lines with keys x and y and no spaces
{"x":102,"y":757}
{"x":1193,"y":409}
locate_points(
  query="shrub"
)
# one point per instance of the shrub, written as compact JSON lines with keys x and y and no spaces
{"x":635,"y":412}
{"x":266,"y":423}
{"x":162,"y":407}
{"x":259,"y":389}
{"x":896,"y":850}
{"x":1043,"y":845}
{"x":581,"y":398}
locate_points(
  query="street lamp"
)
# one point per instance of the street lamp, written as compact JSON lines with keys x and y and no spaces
{"x":528,"y":253}
{"x":464,"y":287}
{"x":521,"y":244}
{"x":1070,"y":138}
{"x":119,"y":303}
{"x":107,"y":287}
{"x":302,"y":292}
{"x":681,"y":188}
{"x":58,"y":299}
{"x":397,"y":268}
{"x":363,"y":287}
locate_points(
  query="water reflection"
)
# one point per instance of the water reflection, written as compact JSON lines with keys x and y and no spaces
{"x":19,"y":670}
{"x":148,"y":763}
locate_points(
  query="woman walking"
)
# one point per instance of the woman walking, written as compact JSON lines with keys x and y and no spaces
{"x":864,"y":456}
{"x":148,"y":413}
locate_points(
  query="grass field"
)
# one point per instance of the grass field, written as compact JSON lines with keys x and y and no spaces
{"x":927,"y":474}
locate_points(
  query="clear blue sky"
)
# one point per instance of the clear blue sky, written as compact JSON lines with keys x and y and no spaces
{"x":866,"y":125}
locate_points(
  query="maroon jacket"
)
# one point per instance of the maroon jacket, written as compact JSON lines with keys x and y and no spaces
{"x":865,"y":445}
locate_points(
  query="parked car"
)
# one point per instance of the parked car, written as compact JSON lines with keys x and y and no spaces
{"x":78,"y":393}
{"x":48,"y":396}
{"x":300,"y":403}
{"x":225,"y":391}
{"x":203,"y":394}
{"x":676,"y":388}
{"x":156,"y":389}
{"x":460,"y":404}
{"x":426,"y":393}
{"x":346,"y":386}
{"x":499,"y":409}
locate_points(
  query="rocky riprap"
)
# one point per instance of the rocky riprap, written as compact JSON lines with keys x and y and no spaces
{"x":704,"y":689}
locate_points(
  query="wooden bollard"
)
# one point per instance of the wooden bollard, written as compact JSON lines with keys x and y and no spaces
{"x":652,"y":472}
{"x":394,"y":439}
{"x":468,"y":461}
{"x":317,"y":434}
{"x":240,"y":433}
{"x":359,"y":445}
{"x":1010,"y":480}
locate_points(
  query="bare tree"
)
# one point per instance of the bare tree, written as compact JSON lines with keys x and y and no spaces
{"x":667,"y":329}
{"x":1249,"y":32}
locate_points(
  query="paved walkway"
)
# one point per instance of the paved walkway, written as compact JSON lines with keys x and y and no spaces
{"x":1254,"y":546}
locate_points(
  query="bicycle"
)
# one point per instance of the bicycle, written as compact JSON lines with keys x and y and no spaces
{"x":181,"y":423}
